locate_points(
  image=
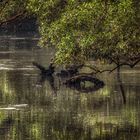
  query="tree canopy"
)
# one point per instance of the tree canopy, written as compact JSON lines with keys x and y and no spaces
{"x":11,"y":10}
{"x":82,"y":29}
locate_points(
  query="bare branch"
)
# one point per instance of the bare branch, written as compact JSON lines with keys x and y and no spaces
{"x":131,"y":65}
{"x":92,"y":68}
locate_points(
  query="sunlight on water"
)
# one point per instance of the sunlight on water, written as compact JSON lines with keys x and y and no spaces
{"x":8,"y":108}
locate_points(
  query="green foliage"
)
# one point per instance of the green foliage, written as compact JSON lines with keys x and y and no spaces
{"x":80,"y":29}
{"x":10,"y":8}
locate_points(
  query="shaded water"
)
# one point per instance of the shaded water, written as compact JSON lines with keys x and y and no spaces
{"x":35,"y":110}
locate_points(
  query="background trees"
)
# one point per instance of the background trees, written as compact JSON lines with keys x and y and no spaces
{"x":106,"y":30}
{"x":80,"y":29}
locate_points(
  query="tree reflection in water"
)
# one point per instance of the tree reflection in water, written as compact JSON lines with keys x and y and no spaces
{"x":121,"y":85}
{"x":67,"y":114}
{"x":50,"y":80}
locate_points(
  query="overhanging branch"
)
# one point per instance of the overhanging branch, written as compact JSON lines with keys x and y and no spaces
{"x":131,"y":65}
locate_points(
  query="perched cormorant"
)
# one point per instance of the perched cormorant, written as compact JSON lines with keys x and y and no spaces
{"x":70,"y":71}
{"x":45,"y":71}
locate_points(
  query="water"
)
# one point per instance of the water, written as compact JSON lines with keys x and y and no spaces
{"x":31,"y":109}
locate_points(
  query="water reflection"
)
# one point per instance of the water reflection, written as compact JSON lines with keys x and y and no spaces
{"x":121,"y":85}
{"x":5,"y":126}
{"x":56,"y":112}
{"x":85,"y":83}
{"x":49,"y":80}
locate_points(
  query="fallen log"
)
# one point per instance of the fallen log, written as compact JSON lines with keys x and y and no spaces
{"x":76,"y":83}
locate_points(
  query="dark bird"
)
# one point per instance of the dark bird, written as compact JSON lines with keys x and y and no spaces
{"x":70,"y":71}
{"x":44,"y":71}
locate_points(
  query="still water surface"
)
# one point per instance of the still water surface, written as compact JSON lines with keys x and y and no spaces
{"x":31,"y":109}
